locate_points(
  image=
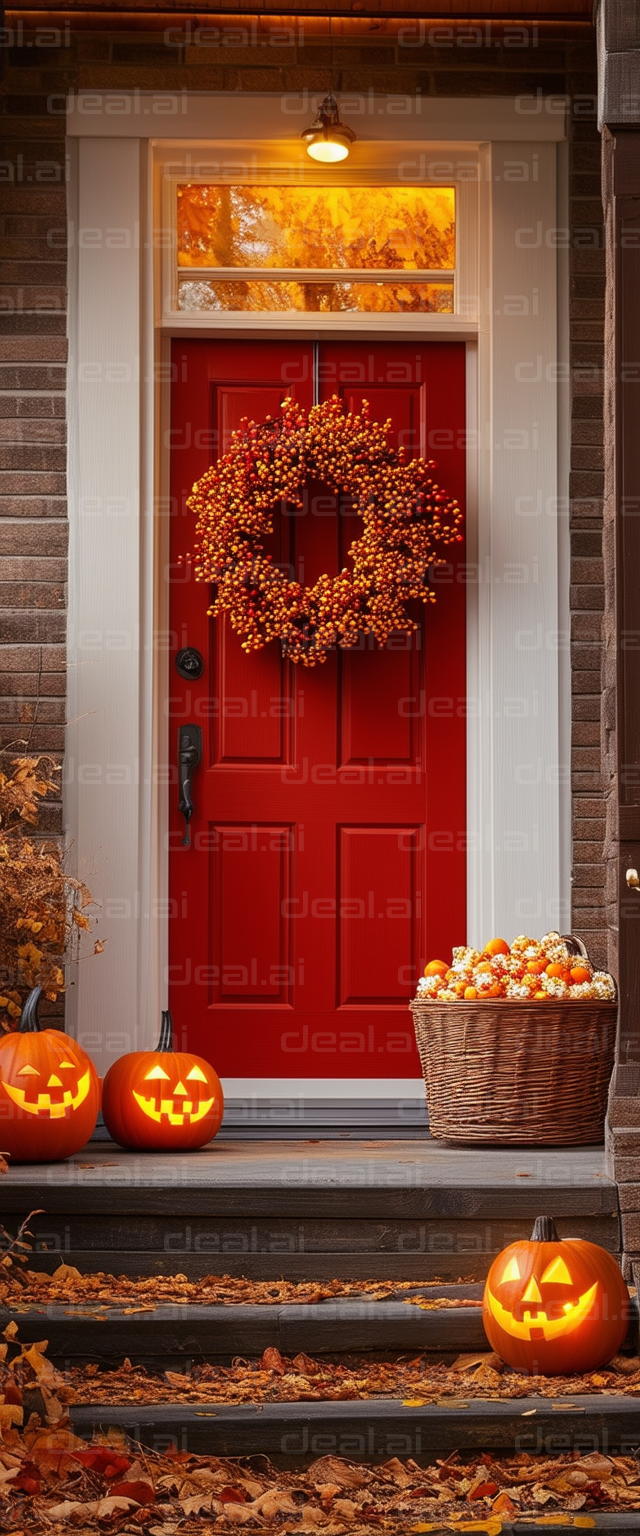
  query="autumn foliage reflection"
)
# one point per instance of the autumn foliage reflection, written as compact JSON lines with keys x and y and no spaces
{"x":282,"y":229}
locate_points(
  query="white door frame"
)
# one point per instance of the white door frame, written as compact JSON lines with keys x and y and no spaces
{"x":518,"y":670}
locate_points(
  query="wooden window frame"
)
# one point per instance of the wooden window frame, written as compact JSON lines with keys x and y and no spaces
{"x":465,"y":217}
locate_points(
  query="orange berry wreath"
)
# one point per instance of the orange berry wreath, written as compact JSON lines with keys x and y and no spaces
{"x":406,"y":518}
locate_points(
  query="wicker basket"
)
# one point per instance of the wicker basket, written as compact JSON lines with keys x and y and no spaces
{"x":503,"y":1072}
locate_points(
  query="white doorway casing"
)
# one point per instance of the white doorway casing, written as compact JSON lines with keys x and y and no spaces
{"x":513,"y":287}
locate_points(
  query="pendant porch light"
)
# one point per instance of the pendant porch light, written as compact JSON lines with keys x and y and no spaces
{"x":327,"y":139}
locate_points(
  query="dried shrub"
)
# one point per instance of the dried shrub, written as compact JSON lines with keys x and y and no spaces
{"x":42,"y":908}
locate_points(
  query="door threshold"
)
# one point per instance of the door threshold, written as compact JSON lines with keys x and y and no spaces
{"x":321,"y":1133}
{"x":327,"y":1119}
{"x":351,"y":1118}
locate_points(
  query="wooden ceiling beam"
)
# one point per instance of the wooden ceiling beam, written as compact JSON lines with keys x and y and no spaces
{"x":349,"y":18}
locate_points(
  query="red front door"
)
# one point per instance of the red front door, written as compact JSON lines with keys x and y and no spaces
{"x":327,"y":858}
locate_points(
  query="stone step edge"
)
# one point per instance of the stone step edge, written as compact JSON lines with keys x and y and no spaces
{"x":374,"y":1430}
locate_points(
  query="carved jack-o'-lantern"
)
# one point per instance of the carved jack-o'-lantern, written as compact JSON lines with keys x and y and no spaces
{"x":163,"y":1099}
{"x":555,"y":1308}
{"x":49,"y":1091}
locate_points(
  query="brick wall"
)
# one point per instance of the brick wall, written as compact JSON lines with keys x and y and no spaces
{"x":33,"y":351}
{"x":587,"y":282}
{"x":32,"y":275}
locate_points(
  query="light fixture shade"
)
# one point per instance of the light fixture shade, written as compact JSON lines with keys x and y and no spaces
{"x":328,"y":140}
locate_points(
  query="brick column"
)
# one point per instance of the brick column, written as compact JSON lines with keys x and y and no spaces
{"x":33,"y":352}
{"x":619,"y":121}
{"x":586,"y":272}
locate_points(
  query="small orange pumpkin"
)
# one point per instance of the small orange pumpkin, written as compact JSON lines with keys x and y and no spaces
{"x":580,"y":974}
{"x":162,"y":1100}
{"x":49,"y":1091}
{"x":555,"y":1308}
{"x":559,"y":972}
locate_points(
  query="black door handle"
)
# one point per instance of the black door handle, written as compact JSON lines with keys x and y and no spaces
{"x":189,"y":755}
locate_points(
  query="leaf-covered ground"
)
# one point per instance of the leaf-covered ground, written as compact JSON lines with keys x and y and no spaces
{"x":52,"y":1483}
{"x":277,"y":1379}
{"x":20,"y":1287}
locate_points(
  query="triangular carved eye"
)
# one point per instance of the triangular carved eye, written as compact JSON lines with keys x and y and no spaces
{"x":66,"y":1064}
{"x":156,"y":1072}
{"x":28,"y":1072}
{"x":196,"y":1074}
{"x":557,"y":1272}
{"x":512,"y":1271}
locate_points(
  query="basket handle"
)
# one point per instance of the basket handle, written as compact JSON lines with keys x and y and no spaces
{"x":575,"y":945}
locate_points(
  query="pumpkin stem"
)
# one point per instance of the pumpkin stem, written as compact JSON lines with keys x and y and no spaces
{"x":165,"y":1042}
{"x":29,"y":1021}
{"x":545,"y":1230}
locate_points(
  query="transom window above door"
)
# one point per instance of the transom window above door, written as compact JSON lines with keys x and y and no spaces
{"x":320,"y":249}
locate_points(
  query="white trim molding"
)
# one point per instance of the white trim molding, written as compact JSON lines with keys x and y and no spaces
{"x":249,"y":119}
{"x":120,"y":330}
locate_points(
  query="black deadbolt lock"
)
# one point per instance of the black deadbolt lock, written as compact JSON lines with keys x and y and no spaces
{"x":189,"y":663}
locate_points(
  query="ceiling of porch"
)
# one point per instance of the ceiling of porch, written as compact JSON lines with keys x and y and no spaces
{"x":353,"y":19}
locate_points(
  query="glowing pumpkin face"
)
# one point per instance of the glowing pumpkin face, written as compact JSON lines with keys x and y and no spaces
{"x":184,"y":1107}
{"x":163,"y":1099}
{"x":555,"y":1308}
{"x":58,"y":1099}
{"x":49,"y":1091}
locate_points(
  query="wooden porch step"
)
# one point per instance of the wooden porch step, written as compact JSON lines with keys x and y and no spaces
{"x":173,"y":1336}
{"x":469,"y":1255}
{"x":293,"y":1434}
{"x":308,"y":1210}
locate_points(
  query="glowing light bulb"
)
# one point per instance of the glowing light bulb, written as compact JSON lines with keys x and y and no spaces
{"x":328,"y":151}
{"x":328,"y":140}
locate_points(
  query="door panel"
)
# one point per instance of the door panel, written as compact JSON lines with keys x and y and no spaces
{"x":250,"y":934}
{"x":379,"y":921}
{"x":401,"y":405}
{"x":371,"y":684}
{"x":327,"y":860}
{"x":254,"y":724}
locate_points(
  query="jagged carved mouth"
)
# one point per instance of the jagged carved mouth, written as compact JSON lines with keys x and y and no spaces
{"x":44,"y":1105}
{"x":535,"y":1324}
{"x":187,"y":1113}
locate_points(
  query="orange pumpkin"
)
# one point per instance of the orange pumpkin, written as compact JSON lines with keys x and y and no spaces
{"x":580,"y":974}
{"x":560,"y":973}
{"x":555,"y":1308}
{"x":164,"y":1099}
{"x":49,"y":1091}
